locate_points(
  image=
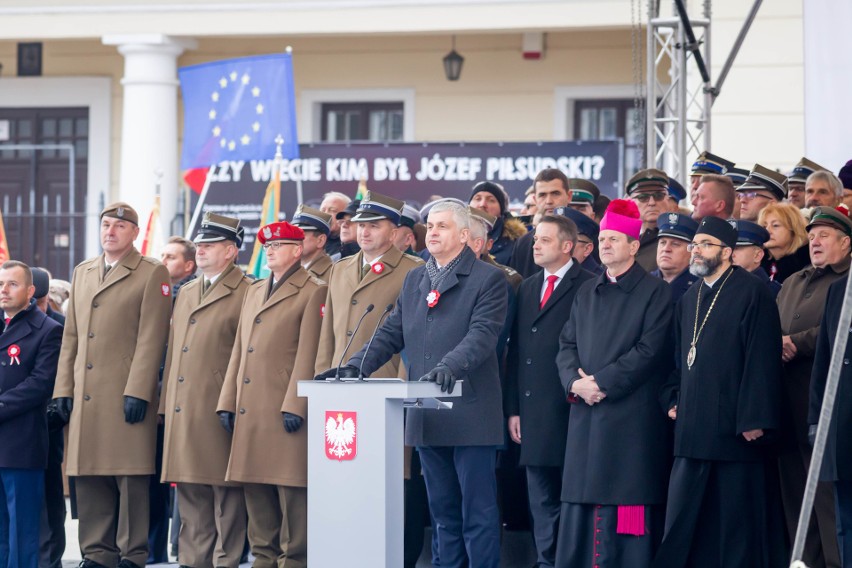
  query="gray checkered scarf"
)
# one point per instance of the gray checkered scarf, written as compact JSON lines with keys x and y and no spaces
{"x":438,"y":275}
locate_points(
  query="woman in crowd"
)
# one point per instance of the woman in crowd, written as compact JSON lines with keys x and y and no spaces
{"x":788,"y":240}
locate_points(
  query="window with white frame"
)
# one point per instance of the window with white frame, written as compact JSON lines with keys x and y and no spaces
{"x":362,"y":122}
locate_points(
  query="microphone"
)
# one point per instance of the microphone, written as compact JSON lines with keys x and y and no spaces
{"x":351,"y":338}
{"x":388,"y":310}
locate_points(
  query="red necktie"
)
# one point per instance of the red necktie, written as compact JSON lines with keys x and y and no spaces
{"x":7,"y":321}
{"x":551,"y":284}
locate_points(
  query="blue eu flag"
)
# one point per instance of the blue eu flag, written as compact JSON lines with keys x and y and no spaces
{"x":235,"y":109}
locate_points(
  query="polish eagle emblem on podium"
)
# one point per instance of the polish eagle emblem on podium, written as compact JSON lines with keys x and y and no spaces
{"x":341,"y":437}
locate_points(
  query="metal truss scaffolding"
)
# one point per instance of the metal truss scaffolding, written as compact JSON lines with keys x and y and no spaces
{"x":678,"y":97}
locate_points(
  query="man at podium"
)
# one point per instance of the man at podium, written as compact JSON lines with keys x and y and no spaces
{"x":448,"y":316}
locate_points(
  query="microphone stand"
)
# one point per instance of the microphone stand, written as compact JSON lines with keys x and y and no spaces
{"x":370,"y":343}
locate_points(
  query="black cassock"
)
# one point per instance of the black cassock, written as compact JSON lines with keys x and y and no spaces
{"x":616,"y":455}
{"x":722,"y":495}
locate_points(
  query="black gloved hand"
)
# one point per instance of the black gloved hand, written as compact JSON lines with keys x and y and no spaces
{"x":812,"y":434}
{"x":346,"y":372}
{"x":292,"y":423}
{"x":64,"y":406}
{"x":442,"y":376}
{"x":134,"y":409}
{"x":54,"y":420}
{"x":227,"y":420}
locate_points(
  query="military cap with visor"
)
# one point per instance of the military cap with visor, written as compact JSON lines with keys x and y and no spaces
{"x":583,"y":192}
{"x":832,"y":217}
{"x":676,"y":190}
{"x":585,"y":225}
{"x":310,"y":219}
{"x":677,"y":225}
{"x":349,"y":210}
{"x":749,"y":233}
{"x":483,"y":216}
{"x":410,"y":216}
{"x":651,"y":179}
{"x":215,"y":228}
{"x":738,"y":176}
{"x":766,"y":179}
{"x":708,"y":163}
{"x":803,"y":169}
{"x":375,"y":207}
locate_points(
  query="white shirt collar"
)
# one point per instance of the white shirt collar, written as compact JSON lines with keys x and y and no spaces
{"x":213,"y":279}
{"x":375,"y":260}
{"x":560,"y":274}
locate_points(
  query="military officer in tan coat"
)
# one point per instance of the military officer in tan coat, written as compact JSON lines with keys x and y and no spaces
{"x":316,"y":226}
{"x":373,"y":276}
{"x":115,"y":336}
{"x":275,"y":347}
{"x":196,"y":448}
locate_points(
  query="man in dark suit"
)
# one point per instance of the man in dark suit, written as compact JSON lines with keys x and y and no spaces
{"x":533,"y":396}
{"x":552,"y":190}
{"x":30,"y":343}
{"x":448,"y":316}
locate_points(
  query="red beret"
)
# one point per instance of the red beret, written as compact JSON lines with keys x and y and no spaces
{"x":281,"y":231}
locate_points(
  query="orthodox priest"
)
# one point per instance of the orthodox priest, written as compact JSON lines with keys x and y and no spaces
{"x":614,"y":356}
{"x":724,"y":398}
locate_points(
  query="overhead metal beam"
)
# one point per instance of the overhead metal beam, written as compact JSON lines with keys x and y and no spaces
{"x":729,"y":62}
{"x":692,"y":44}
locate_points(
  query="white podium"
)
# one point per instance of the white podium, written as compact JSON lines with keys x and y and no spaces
{"x":355,"y":467}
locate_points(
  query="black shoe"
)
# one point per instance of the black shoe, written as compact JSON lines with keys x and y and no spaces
{"x":90,"y":564}
{"x":125,"y":563}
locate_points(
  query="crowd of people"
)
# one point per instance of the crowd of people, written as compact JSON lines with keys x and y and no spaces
{"x":641,"y":381}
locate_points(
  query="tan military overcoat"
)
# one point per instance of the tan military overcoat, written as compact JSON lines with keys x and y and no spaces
{"x":196,"y":447}
{"x":348,"y":297}
{"x":275,"y":347}
{"x":115,"y":335}
{"x":321,"y":266}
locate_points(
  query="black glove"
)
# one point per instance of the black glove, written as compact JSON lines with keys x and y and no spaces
{"x":442,"y":376}
{"x":292,"y":423}
{"x":227,"y":420}
{"x":54,"y":420}
{"x":64,"y":406}
{"x":134,"y":409}
{"x":812,"y":434}
{"x":346,"y":372}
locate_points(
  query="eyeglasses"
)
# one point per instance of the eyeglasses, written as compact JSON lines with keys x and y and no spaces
{"x":743,"y":195}
{"x":585,"y":242}
{"x":646,"y":197}
{"x":275,"y":245}
{"x":703,"y":246}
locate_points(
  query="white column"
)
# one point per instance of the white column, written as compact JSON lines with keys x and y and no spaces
{"x":149,"y":130}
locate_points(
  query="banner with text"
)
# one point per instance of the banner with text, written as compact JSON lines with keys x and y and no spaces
{"x":411,"y":172}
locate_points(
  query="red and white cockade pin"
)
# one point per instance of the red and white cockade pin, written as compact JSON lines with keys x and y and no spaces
{"x":432,"y":298}
{"x":165,"y":289}
{"x":378,"y":268}
{"x":322,"y":310}
{"x":14,"y":353}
